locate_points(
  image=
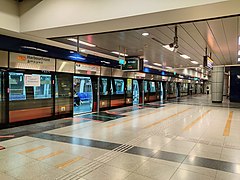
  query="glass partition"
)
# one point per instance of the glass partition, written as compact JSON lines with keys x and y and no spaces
{"x":30,"y":96}
{"x":83,"y":95}
{"x":119,"y":85}
{"x":152,"y":86}
{"x":63,"y":94}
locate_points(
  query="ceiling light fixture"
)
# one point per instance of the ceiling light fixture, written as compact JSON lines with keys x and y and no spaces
{"x":238,"y":40}
{"x":238,"y":59}
{"x":239,"y":52}
{"x":82,"y":42}
{"x":83,"y":50}
{"x":157,"y":64}
{"x":145,"y":34}
{"x":194,"y":62}
{"x":168,"y":67}
{"x":185,"y":56}
{"x":118,"y":53}
{"x":145,"y":60}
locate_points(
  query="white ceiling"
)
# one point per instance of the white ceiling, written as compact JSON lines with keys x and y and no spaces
{"x":220,"y":36}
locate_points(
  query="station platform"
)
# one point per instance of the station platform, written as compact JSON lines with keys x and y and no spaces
{"x":189,"y":138}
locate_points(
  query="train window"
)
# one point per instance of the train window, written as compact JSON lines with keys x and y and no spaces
{"x":145,"y":86}
{"x":43,"y":91}
{"x":104,"y":90}
{"x":129,"y":86}
{"x":16,"y":87}
{"x":152,"y":86}
{"x":119,"y":85}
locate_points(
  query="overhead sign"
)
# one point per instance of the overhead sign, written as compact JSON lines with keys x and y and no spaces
{"x":131,"y":64}
{"x":207,"y":62}
{"x":25,"y":61}
{"x":31,"y":80}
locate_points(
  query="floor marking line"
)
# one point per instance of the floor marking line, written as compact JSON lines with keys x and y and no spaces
{"x":196,"y":120}
{"x":228,"y":124}
{"x":67,"y":163}
{"x":32,"y":150}
{"x":166,"y":118}
{"x":115,"y":124}
{"x":50,"y":155}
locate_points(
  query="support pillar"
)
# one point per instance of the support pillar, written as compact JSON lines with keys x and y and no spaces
{"x":217,"y":84}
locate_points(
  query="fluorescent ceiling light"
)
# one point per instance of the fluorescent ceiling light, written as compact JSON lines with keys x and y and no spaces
{"x":185,"y":56}
{"x":168,"y":67}
{"x":238,"y":59}
{"x":82,"y":42}
{"x":145,"y":60}
{"x":34,"y":48}
{"x":157,"y":64}
{"x":239,"y":52}
{"x":121,"y":54}
{"x":238,"y":40}
{"x":83,"y":50}
{"x":194,"y":62}
{"x":145,"y":34}
{"x":168,"y":47}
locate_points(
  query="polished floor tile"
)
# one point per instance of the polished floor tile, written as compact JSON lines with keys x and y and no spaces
{"x":148,"y":142}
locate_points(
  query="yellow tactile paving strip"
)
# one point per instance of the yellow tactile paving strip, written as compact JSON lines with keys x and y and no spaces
{"x":164,"y":119}
{"x":196,"y":120}
{"x":127,"y":120}
{"x":67,"y":163}
{"x":31,"y":150}
{"x":50,"y":155}
{"x":228,"y":124}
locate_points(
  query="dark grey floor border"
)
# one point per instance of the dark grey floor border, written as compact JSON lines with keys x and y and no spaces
{"x":163,"y":155}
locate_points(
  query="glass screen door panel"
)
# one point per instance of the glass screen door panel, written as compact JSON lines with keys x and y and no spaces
{"x":82,"y":94}
{"x":135,"y":92}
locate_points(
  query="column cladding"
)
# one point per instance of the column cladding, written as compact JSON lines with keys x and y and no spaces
{"x":217,"y":84}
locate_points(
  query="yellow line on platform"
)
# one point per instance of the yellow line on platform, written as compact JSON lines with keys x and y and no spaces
{"x":195,"y":121}
{"x":127,"y":120}
{"x":32,"y":149}
{"x":67,"y":163}
{"x":228,"y":124}
{"x":50,"y":155}
{"x":164,"y":119}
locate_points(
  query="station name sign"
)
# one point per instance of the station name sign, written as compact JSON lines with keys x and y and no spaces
{"x":26,"y":61}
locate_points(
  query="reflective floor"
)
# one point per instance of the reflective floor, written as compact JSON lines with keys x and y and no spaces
{"x":186,"y":139}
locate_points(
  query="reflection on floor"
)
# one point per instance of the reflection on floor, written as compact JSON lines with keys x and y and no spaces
{"x":181,"y":140}
{"x":82,"y":108}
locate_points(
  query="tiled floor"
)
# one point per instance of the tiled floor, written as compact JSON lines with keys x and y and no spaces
{"x":187,"y":139}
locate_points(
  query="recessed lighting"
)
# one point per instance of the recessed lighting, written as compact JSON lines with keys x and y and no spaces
{"x":157,"y":64}
{"x":239,"y":52}
{"x":194,"y":62}
{"x":145,"y":34}
{"x":118,"y":53}
{"x":185,"y":56}
{"x":168,"y":47}
{"x":82,"y":42}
